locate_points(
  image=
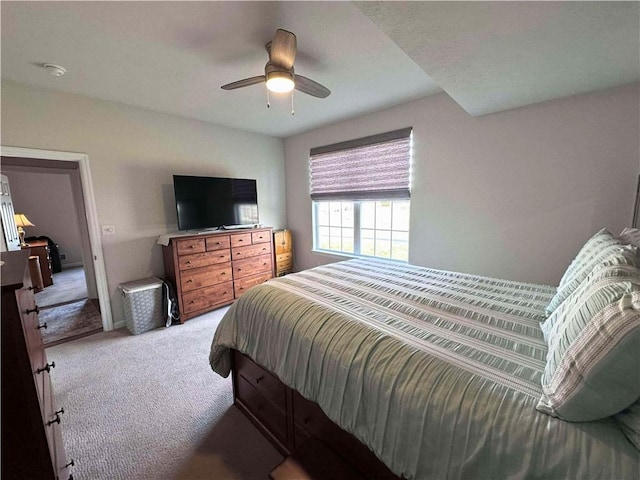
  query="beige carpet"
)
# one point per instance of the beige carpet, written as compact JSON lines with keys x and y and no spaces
{"x":68,"y":285}
{"x":149,"y":407}
{"x":69,"y":320}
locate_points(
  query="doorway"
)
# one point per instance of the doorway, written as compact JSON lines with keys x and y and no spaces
{"x":79,"y":290}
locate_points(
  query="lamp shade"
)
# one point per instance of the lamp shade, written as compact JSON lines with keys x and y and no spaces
{"x":22,"y":220}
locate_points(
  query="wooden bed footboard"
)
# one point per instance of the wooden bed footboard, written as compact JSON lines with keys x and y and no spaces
{"x":288,"y":419}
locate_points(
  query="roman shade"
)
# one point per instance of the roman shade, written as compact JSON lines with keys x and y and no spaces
{"x":370,"y":168}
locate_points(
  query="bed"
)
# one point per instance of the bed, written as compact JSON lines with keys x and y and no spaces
{"x":437,"y":373}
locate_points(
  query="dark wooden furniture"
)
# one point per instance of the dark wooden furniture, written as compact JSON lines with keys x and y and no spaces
{"x":289,"y":420}
{"x":283,"y":248}
{"x":32,"y":445}
{"x":40,"y":248}
{"x":213,"y":269}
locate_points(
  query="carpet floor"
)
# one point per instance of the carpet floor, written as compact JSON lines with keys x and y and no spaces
{"x":70,"y":320}
{"x":150,"y":407}
{"x":68,"y":285}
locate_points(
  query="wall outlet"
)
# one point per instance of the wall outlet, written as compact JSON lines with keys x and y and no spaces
{"x":63,"y":256}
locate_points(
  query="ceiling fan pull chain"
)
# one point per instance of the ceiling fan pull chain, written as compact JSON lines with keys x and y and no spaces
{"x":293,"y":112}
{"x":268,"y":102}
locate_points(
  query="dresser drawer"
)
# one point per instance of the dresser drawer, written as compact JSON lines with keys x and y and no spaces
{"x":207,"y":297}
{"x":196,"y":260}
{"x":238,"y":253}
{"x":274,"y":418}
{"x":218,"y":242}
{"x":192,"y":245}
{"x":244,"y":284}
{"x":204,"y":277}
{"x":260,"y":237}
{"x":284,"y":262}
{"x":251,"y":266}
{"x":240,"y":239}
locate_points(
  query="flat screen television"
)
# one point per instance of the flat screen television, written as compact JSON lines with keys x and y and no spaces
{"x":212,"y":202}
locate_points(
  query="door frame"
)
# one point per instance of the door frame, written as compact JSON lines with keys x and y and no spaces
{"x":90,"y":214}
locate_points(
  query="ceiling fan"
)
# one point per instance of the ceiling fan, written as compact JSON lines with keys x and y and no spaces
{"x":278,"y":72}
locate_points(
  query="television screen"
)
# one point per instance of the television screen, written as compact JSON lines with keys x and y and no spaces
{"x":213,"y":202}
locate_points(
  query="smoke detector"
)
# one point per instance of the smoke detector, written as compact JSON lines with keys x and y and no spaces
{"x":55,"y":70}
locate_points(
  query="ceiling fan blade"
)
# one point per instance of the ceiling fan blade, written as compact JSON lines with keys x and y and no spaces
{"x":282,"y":51}
{"x":310,"y":87}
{"x":243,"y":83}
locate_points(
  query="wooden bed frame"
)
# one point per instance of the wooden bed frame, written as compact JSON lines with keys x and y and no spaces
{"x":288,"y":420}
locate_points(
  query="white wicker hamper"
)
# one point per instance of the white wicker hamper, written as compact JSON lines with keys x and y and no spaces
{"x":142,"y":302}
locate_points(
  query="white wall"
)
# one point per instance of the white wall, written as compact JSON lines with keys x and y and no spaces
{"x":133,"y":154}
{"x":512,"y":194}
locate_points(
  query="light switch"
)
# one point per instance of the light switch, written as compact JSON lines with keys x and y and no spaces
{"x":108,"y":229}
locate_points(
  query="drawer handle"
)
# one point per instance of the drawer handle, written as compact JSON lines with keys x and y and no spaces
{"x":239,"y":269}
{"x":192,"y":246}
{"x":264,"y":264}
{"x":190,"y":281}
{"x":223,"y":273}
{"x":240,"y":240}
{"x":30,"y":288}
{"x":221,"y":256}
{"x":306,"y":419}
{"x":260,"y":378}
{"x":57,"y":419}
{"x":44,"y":325}
{"x":193,"y":301}
{"x":188,"y":262}
{"x":31,"y":310}
{"x":72,"y":463}
{"x":47,"y":368}
{"x":264,"y":248}
{"x":218,"y":243}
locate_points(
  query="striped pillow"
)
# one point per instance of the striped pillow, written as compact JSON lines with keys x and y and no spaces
{"x":611,"y":255}
{"x":630,"y":236}
{"x":604,"y":246}
{"x":593,"y":363}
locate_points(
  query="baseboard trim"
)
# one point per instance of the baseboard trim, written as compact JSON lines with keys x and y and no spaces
{"x":119,"y":324}
{"x":72,"y":265}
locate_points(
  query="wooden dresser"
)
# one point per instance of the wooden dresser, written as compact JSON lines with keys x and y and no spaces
{"x":32,"y":445}
{"x":40,"y":248}
{"x":213,"y":269}
{"x":283,"y":252}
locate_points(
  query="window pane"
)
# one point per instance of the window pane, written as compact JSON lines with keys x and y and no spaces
{"x":401,"y":215}
{"x":335,"y":231}
{"x":368,"y":214}
{"x":323,"y":242}
{"x":335,"y":243}
{"x":323,"y":213}
{"x":400,"y":246}
{"x":335,"y":214}
{"x":383,"y":248}
{"x":347,"y":214}
{"x":383,"y":215}
{"x":347,"y":240}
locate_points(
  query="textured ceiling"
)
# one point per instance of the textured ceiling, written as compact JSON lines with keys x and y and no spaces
{"x":172,"y":57}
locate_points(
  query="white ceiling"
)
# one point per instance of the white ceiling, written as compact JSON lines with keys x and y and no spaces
{"x":173,"y":57}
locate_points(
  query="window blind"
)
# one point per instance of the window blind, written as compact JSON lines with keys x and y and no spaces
{"x":369,"y":168}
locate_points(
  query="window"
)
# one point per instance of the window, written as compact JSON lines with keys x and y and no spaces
{"x":360,"y":192}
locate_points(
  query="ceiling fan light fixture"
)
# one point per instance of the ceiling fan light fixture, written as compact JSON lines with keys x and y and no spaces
{"x":280,"y":82}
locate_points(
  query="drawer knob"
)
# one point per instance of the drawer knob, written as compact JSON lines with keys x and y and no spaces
{"x":193,"y":301}
{"x":221,"y":256}
{"x":223,"y":273}
{"x":31,"y":310}
{"x":190,"y":281}
{"x":188,"y":262}
{"x":306,"y":419}
{"x":260,"y":378}
{"x":264,"y":248}
{"x":47,"y":368}
{"x":218,"y":243}
{"x":239,"y":269}
{"x":72,"y":463}
{"x":240,"y":240}
{"x":192,"y":246}
{"x":44,"y":325}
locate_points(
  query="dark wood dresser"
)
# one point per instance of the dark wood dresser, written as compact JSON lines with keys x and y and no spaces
{"x":213,"y":269}
{"x":32,"y":445}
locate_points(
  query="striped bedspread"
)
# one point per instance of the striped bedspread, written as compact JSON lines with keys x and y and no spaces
{"x":437,"y":372}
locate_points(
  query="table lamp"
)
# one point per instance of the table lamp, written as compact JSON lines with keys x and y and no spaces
{"x":22,"y":221}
